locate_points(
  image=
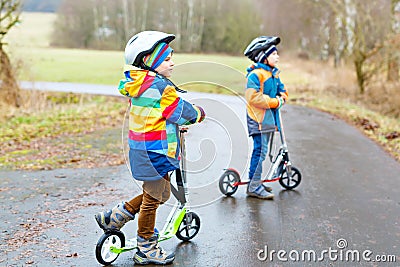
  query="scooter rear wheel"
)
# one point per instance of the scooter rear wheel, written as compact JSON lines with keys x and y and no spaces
{"x":227,"y":181}
{"x":290,"y":182}
{"x":188,"y":229}
{"x":111,"y":238}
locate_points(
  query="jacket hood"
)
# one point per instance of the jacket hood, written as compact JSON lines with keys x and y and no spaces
{"x":136,"y":82}
{"x":275,"y":71}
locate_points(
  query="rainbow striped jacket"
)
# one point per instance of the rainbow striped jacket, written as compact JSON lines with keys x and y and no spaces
{"x":156,"y":111}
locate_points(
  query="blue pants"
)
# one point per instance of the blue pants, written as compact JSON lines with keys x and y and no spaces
{"x":260,"y":150}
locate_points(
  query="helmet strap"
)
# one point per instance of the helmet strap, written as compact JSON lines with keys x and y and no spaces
{"x":260,"y":57}
{"x":145,"y":67}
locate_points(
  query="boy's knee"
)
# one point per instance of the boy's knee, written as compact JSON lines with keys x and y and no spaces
{"x":150,"y":205}
{"x":257,"y":153}
{"x":263,"y":156}
{"x":166,"y":195}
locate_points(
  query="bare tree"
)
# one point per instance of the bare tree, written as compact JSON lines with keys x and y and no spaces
{"x":144,"y":19}
{"x":369,"y":40}
{"x":357,"y":34}
{"x":344,"y":15}
{"x":394,"y":57}
{"x":175,"y":15}
{"x":325,"y":37}
{"x":336,"y":27}
{"x":9,"y":17}
{"x":75,"y":24}
{"x":125,"y":17}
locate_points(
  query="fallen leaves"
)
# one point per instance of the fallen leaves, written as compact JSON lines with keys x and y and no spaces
{"x":366,"y":124}
{"x":48,"y":228}
{"x":392,"y":135}
{"x":369,"y":125}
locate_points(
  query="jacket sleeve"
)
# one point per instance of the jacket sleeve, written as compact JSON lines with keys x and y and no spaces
{"x":282,"y":91}
{"x":121,"y":87}
{"x":254,"y":94}
{"x":179,"y":111}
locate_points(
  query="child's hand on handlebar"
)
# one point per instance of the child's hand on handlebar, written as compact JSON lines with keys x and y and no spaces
{"x":281,"y":101}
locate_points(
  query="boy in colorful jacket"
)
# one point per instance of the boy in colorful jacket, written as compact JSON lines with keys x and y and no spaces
{"x":265,"y":94}
{"x":156,"y":111}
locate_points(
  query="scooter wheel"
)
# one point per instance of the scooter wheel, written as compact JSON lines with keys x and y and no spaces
{"x":226,"y":182}
{"x":189,"y":227}
{"x":111,"y":238}
{"x":290,"y":182}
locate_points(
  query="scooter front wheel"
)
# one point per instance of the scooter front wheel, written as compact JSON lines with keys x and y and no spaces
{"x":189,"y":227}
{"x":227,"y":182}
{"x":290,"y":182}
{"x":113,"y":238}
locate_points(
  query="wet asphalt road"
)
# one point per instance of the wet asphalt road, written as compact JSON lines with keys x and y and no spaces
{"x":350,"y":190}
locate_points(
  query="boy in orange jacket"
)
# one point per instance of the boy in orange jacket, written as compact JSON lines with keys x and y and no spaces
{"x":265,"y":94}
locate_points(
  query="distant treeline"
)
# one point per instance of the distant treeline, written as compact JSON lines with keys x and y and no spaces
{"x":200,"y":26}
{"x":316,"y":28}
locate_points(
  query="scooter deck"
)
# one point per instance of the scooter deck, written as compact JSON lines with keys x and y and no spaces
{"x":262,"y":181}
{"x":131,"y":244}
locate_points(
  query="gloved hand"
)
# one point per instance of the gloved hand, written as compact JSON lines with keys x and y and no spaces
{"x":284,"y":95}
{"x":281,"y":101}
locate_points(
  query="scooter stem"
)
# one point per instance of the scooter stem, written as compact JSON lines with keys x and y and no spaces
{"x":182,"y":131}
{"x":282,"y":132}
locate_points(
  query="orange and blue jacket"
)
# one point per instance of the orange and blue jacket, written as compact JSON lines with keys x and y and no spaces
{"x":263,"y":86}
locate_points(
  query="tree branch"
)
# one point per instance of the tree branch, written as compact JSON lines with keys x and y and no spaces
{"x":9,"y":15}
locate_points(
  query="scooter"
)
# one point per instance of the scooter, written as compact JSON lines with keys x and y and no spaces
{"x":289,"y":177}
{"x":181,"y":222}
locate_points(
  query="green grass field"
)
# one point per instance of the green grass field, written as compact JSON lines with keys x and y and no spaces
{"x":29,"y":46}
{"x":34,"y":30}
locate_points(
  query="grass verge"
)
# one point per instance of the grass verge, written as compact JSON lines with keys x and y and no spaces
{"x":384,"y":130}
{"x":80,"y":133}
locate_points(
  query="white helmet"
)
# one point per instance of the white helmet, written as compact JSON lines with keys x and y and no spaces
{"x":143,"y":44}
